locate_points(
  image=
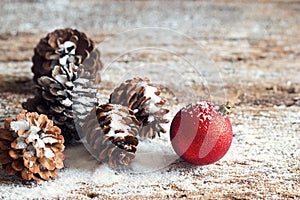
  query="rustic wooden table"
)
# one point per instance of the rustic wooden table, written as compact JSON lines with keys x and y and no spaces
{"x":252,"y":49}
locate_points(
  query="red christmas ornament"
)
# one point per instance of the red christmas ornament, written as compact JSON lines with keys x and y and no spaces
{"x":201,"y":133}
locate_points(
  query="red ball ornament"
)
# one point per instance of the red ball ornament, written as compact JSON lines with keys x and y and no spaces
{"x":201,"y":133}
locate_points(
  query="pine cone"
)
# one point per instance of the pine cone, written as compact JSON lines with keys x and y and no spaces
{"x":143,"y":98}
{"x":64,"y":46}
{"x":31,"y":147}
{"x":64,"y":97}
{"x":114,"y":142}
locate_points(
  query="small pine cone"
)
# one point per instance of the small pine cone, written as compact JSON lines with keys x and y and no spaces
{"x":31,"y":147}
{"x":143,"y":98}
{"x":64,"y":46}
{"x":64,"y":97}
{"x":115,"y":141}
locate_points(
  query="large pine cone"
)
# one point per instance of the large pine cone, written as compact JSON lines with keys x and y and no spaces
{"x":31,"y":147}
{"x":64,"y":97}
{"x":143,"y":98}
{"x":111,"y":134}
{"x":64,"y":46}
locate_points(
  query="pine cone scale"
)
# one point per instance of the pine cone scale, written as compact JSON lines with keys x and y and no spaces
{"x":13,"y":154}
{"x":26,"y":174}
{"x":4,"y":145}
{"x":6,"y":135}
{"x":9,"y":170}
{"x":17,"y":165}
{"x":5,"y":158}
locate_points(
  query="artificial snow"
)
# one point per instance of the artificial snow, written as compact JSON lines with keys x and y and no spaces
{"x":67,"y":48}
{"x":60,"y":78}
{"x":32,"y":138}
{"x":19,"y":125}
{"x":48,"y":153}
{"x":31,"y":135}
{"x":49,"y":140}
{"x":149,"y":92}
{"x":67,"y":102}
{"x":116,"y":123}
{"x":21,"y":143}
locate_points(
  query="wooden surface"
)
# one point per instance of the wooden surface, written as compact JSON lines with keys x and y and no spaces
{"x":255,"y":47}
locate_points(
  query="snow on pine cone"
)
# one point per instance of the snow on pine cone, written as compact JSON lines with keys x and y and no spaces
{"x":31,"y":147}
{"x":65,"y":97}
{"x":64,"y":46}
{"x":111,"y":134}
{"x":143,"y":98}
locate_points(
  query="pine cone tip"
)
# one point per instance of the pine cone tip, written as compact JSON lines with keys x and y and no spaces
{"x":111,"y":134}
{"x":144,"y":99}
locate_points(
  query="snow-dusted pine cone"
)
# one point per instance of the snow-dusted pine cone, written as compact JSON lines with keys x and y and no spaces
{"x":143,"y":98}
{"x":64,"y":46}
{"x":65,"y":97}
{"x":31,"y":147}
{"x":111,"y":134}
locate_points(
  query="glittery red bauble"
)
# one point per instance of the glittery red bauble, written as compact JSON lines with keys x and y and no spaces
{"x":200,"y":133}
